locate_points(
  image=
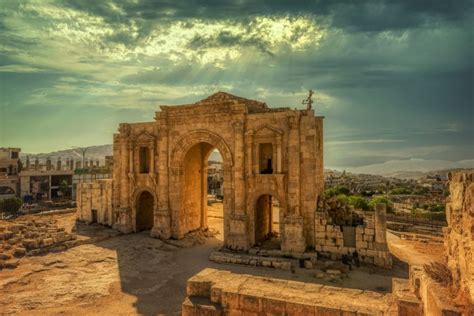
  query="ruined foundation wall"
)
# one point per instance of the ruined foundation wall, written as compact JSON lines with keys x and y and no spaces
{"x":370,"y":241}
{"x":459,"y":234}
{"x":95,"y":199}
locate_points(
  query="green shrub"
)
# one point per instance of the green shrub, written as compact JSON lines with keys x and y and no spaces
{"x":10,"y":205}
{"x":358,"y":202}
{"x":338,"y":190}
{"x":381,"y":199}
{"x":344,"y":199}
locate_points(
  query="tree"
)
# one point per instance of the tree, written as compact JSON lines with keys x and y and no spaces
{"x":64,"y":188}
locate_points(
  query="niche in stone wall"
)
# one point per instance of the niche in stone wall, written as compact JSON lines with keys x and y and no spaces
{"x":144,"y":159}
{"x":266,"y":158}
{"x":267,"y":150}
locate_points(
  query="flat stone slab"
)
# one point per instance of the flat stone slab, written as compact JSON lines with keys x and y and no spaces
{"x":246,"y":293}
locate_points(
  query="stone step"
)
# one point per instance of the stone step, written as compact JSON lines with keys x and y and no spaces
{"x":234,"y":258}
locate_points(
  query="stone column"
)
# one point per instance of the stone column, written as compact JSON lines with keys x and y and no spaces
{"x":131,"y":150}
{"x":250,"y":154}
{"x":236,"y":221}
{"x":162,"y":220}
{"x":294,"y":165}
{"x":152,"y":157}
{"x":125,"y":164}
{"x":278,"y":155}
{"x":239,"y":168}
{"x":381,"y":225}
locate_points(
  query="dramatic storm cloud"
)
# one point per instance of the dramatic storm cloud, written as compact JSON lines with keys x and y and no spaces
{"x":394,"y":79}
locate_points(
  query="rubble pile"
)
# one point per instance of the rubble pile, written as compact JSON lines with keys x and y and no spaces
{"x":30,"y":238}
{"x":195,"y":237}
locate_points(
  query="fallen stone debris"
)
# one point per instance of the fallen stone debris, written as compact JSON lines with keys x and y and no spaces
{"x":31,"y":238}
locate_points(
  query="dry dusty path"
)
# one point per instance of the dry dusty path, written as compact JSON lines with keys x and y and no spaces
{"x":414,"y":252}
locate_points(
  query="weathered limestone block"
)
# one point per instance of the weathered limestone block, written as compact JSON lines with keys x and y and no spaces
{"x":5,"y":256}
{"x":11,"y":264}
{"x":239,"y":294}
{"x":293,"y":236}
{"x":19,"y":252}
{"x":6,"y":235}
{"x":47,"y":242}
{"x":459,"y":235}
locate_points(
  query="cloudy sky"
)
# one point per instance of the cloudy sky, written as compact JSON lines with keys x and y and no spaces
{"x":394,"y":79}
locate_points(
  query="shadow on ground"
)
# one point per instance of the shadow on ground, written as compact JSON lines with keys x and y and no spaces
{"x":155,"y":272}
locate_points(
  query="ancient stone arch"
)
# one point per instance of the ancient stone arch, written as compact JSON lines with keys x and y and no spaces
{"x":177,"y":166}
{"x":253,"y":208}
{"x":135,"y":205}
{"x":265,"y":150}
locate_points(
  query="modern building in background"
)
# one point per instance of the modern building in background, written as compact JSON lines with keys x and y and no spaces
{"x":47,"y":179}
{"x":10,"y":165}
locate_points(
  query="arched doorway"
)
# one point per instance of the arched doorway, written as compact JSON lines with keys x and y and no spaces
{"x":145,"y":206}
{"x":188,"y":182}
{"x":215,"y":193}
{"x":267,"y":222}
{"x":196,"y":186}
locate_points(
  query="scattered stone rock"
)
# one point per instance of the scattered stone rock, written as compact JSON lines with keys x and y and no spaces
{"x":19,"y":252}
{"x":333,"y":272}
{"x":5,"y":256}
{"x":11,"y":264}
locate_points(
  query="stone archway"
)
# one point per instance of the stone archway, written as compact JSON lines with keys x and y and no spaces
{"x":188,"y":196}
{"x":267,"y":218}
{"x":144,"y":211}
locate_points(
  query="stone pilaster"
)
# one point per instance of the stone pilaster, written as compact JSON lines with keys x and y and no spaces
{"x":294,"y":165}
{"x":292,"y":238}
{"x":239,"y":167}
{"x":124,"y":181}
{"x":380,"y":221}
{"x":162,"y":227}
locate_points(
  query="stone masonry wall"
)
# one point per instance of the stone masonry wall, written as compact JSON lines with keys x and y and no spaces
{"x":330,"y":238}
{"x":459,"y":234}
{"x":96,"y":196}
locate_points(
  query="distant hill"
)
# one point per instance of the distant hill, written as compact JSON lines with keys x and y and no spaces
{"x":93,"y":152}
{"x":412,"y":168}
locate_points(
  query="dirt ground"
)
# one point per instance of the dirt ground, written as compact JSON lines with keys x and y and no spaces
{"x":415,"y":252}
{"x":135,"y":274}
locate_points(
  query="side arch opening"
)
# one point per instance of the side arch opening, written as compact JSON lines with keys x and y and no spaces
{"x":145,"y":207}
{"x":267,"y":222}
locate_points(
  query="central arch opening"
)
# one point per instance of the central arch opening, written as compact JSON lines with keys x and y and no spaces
{"x":203,"y":188}
{"x":145,"y":206}
{"x":267,"y":222}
